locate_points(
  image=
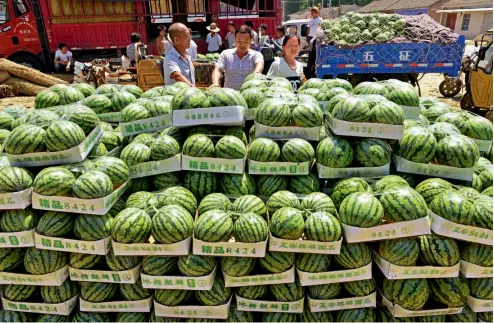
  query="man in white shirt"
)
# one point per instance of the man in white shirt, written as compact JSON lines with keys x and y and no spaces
{"x":63,"y":59}
{"x":313,"y":24}
{"x":255,"y":36}
{"x":213,"y":39}
{"x":178,"y":66}
{"x":230,"y":36}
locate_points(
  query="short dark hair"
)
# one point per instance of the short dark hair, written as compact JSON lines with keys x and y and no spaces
{"x":249,"y":23}
{"x":244,"y":30}
{"x":161,"y":27}
{"x":287,"y":38}
{"x":280,"y":28}
{"x":62,"y":45}
{"x":135,"y":37}
{"x":263,"y":26}
{"x":231,"y":23}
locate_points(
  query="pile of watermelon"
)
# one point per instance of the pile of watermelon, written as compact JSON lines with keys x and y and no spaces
{"x":220,"y":209}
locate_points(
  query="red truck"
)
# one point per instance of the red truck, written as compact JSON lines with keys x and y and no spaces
{"x":30,"y":30}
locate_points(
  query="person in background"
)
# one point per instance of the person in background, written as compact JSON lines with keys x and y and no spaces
{"x":287,"y":66}
{"x":63,"y":59}
{"x":314,"y":22}
{"x":135,"y":41}
{"x":160,"y":40}
{"x":178,"y":66}
{"x":238,"y":62}
{"x":255,"y":37}
{"x":264,"y":39}
{"x":192,"y":51}
{"x":278,"y":41}
{"x":213,"y":39}
{"x":230,"y":36}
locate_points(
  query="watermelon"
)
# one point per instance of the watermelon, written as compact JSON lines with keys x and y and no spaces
{"x":6,"y":120}
{"x":46,"y":99}
{"x":324,"y":291}
{"x":270,"y":184}
{"x":134,"y":112}
{"x":99,"y":150}
{"x":40,"y":261}
{"x":436,"y":250}
{"x":134,"y":292}
{"x":234,"y":315}
{"x":252,"y":97}
{"x":59,"y":294}
{"x":237,"y":266}
{"x":195,"y":265}
{"x":250,"y":228}
{"x":252,"y":292}
{"x":70,"y":95}
{"x":297,"y":151}
{"x":90,"y":317}
{"x":133,"y":89}
{"x":282,"y":199}
{"x":132,"y":225}
{"x":354,"y":255}
{"x":274,"y":113}
{"x":353,"y":109}
{"x":11,"y":258}
{"x":361,"y":210}
{"x":132,"y":317}
{"x":84,"y":261}
{"x":200,"y":183}
{"x":373,"y":152}
{"x":214,"y":201}
{"x":346,"y":187}
{"x":457,"y":151}
{"x":114,"y":168}
{"x":401,"y":252}
{"x":442,"y":130}
{"x":190,"y":98}
{"x":142,"y":200}
{"x":121,"y":100}
{"x":158,"y":265}
{"x":277,"y":262}
{"x":452,"y":292}
{"x":97,"y":292}
{"x":218,"y":295}
{"x":237,"y":184}
{"x":84,"y":88}
{"x":159,"y":108}
{"x":312,"y":262}
{"x":432,"y":187}
{"x":14,"y":179}
{"x":249,"y":203}
{"x":411,"y":294}
{"x":25,"y":139}
{"x":230,"y":147}
{"x":384,"y":315}
{"x":485,"y":316}
{"x":388,"y":113}
{"x":280,"y":317}
{"x":172,"y":297}
{"x":19,"y":293}
{"x":403,"y":204}
{"x":264,"y":150}
{"x":307,"y":115}
{"x":466,"y":315}
{"x":237,"y":132}
{"x":304,"y":184}
{"x":51,"y":224}
{"x":459,"y":119}
{"x":478,"y":127}
{"x":317,"y":202}
{"x":370,"y":88}
{"x":93,"y":184}
{"x":481,"y":288}
{"x":478,"y":254}
{"x":487,"y":191}
{"x":322,"y":226}
{"x":356,"y":315}
{"x":486,"y":178}
{"x":167,"y":180}
{"x":178,"y":196}
{"x":223,"y":97}
{"x":214,"y":226}
{"x":288,"y":292}
{"x":198,"y":146}
{"x":453,"y":207}
{"x":120,"y":263}
{"x":89,"y":227}
{"x":387,"y":182}
{"x":52,"y":318}
{"x":287,"y":223}
{"x":171,"y":224}
{"x":99,"y":103}
{"x":14,"y":316}
{"x":84,"y":117}
{"x":418,"y":145}
{"x":39,"y":118}
{"x":360,"y":287}
{"x":62,"y":135}
{"x":3,"y":135}
{"x":334,"y":152}
{"x":134,"y":154}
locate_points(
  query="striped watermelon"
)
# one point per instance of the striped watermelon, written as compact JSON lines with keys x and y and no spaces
{"x":250,"y":228}
{"x":487,"y":191}
{"x":40,"y":261}
{"x":134,"y":292}
{"x":384,"y":315}
{"x":307,"y":115}
{"x":322,"y":226}
{"x":280,"y":317}
{"x":352,"y":108}
{"x":453,"y":207}
{"x":3,"y":135}
{"x":53,"y":318}
{"x":54,"y":224}
{"x":158,"y":265}
{"x":164,"y":147}
{"x":134,"y":154}
{"x":459,"y":119}
{"x":411,"y":294}
{"x":478,"y":254}
{"x":19,"y":293}
{"x":195,"y":265}
{"x":436,"y":250}
{"x":367,"y":314}
{"x":84,"y":117}
{"x":98,"y":292}
{"x":11,"y":258}
{"x":401,"y":252}
{"x":237,"y":132}
{"x":478,"y":127}
{"x":287,"y":223}
{"x":39,"y":118}
{"x":132,"y":317}
{"x":46,"y":99}
{"x":200,"y":183}
{"x":457,"y":151}
{"x":56,"y":181}
{"x":324,"y":291}
{"x":90,"y":317}
{"x":59,"y":294}
{"x":370,"y":88}
{"x":452,"y":292}
{"x":304,"y":184}
{"x":288,"y":292}
{"x":14,"y":316}
{"x":471,"y":194}
{"x":442,"y":130}
{"x":334,"y":152}
{"x":282,"y":199}
{"x":214,"y":201}
{"x":99,"y":103}
{"x":485,"y":316}
{"x":308,"y":316}
{"x":198,"y":146}
{"x":486,"y":178}
{"x":133,"y":89}
{"x":84,"y":88}
{"x":348,"y":186}
{"x":6,"y":120}
{"x":403,"y":204}
{"x":99,"y":150}
{"x":190,"y":98}
{"x":418,"y":145}
{"x":373,"y":152}
{"x":93,"y":184}
{"x":361,"y":210}
{"x":111,"y":140}
{"x":115,"y":168}
{"x":388,"y":113}
{"x":119,"y":263}
{"x":312,"y":262}
{"x":432,"y":187}
{"x":171,"y":224}
{"x":317,"y":202}
{"x":481,"y":288}
{"x":70,"y":95}
{"x":142,"y":200}
{"x":237,"y":184}
{"x":432,"y":113}
{"x":132,"y":225}
{"x":252,"y":292}
{"x":267,"y":185}
{"x":354,"y":255}
{"x":237,"y":266}
{"x":178,"y":196}
{"x":159,"y":107}
{"x":214,"y":226}
{"x":19,"y":220}
{"x":120,"y":100}
{"x":360,"y":287}
{"x":84,"y":260}
{"x":107,"y":89}
{"x":218,"y":295}
{"x":234,"y":315}
{"x":134,"y":112}
{"x":172,"y":297}
{"x":165,"y":181}
{"x":25,"y":139}
{"x":277,"y":262}
{"x":252,"y":97}
{"x":177,"y":133}
{"x":89,"y":227}
{"x":466,"y":315}
{"x":223,"y":97}
{"x":159,"y":91}
{"x":297,"y":151}
{"x":274,"y":113}
{"x":249,"y":203}
{"x":264,"y":150}
{"x":404,"y":96}
{"x":230,"y":147}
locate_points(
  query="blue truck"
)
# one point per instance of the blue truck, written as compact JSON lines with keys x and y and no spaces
{"x":403,"y":61}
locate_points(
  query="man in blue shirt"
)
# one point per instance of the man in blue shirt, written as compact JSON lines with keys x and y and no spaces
{"x":178,"y":66}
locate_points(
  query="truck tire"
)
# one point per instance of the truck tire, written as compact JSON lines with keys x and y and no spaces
{"x":29,"y":61}
{"x":450,"y":87}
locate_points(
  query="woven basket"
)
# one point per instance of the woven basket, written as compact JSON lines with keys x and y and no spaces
{"x":203,"y":73}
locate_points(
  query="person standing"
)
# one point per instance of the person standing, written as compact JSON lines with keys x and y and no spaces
{"x":230,"y":36}
{"x":192,"y":51}
{"x":63,"y":59}
{"x":314,"y":22}
{"x":178,"y":66}
{"x":278,"y":41}
{"x":135,"y":41}
{"x":213,"y":39}
{"x":264,"y":35}
{"x":238,"y":62}
{"x":255,"y":37}
{"x":287,"y":66}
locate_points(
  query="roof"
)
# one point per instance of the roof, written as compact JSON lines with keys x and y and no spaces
{"x":468,"y":3}
{"x":325,"y":13}
{"x":416,"y":4}
{"x":378,"y":5}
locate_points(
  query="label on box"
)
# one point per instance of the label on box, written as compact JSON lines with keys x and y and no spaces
{"x":312,"y":133}
{"x":366,"y":129}
{"x":227,"y":116}
{"x":454,"y":230}
{"x":143,"y":305}
{"x":193,"y":311}
{"x":327,"y":305}
{"x":398,"y":311}
{"x":145,"y":125}
{"x":304,"y":246}
{"x":213,"y":165}
{"x":250,"y":114}
{"x":110,"y":116}
{"x":250,"y":305}
{"x":55,"y":278}
{"x":69,"y":156}
{"x":255,"y":280}
{"x":411,"y":112}
{"x":480,"y":305}
{"x":389,"y":231}
{"x":64,"y":308}
{"x":337,"y":276}
{"x":99,"y":206}
{"x":392,"y":271}
{"x":169,"y":165}
{"x":278,"y":168}
{"x":105,"y":276}
{"x":229,"y":249}
{"x":16,"y":200}
{"x":433,"y":170}
{"x":21,"y":239}
{"x":484,"y":145}
{"x":470,"y":270}
{"x":328,"y":172}
{"x":179,"y":282}
{"x":99,"y":247}
{"x":180,"y":248}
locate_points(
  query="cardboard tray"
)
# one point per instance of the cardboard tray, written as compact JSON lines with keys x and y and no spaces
{"x":256,"y":280}
{"x":310,"y":133}
{"x":143,"y":305}
{"x":145,"y":125}
{"x":99,"y":247}
{"x":105,"y":276}
{"x":365,"y":129}
{"x":193,"y":311}
{"x":336,"y":276}
{"x":110,"y":116}
{"x":398,"y":311}
{"x":179,"y":282}
{"x":213,"y":165}
{"x":180,"y":248}
{"x":16,"y":200}
{"x":21,"y":239}
{"x":250,"y":305}
{"x":278,"y":168}
{"x":433,"y":170}
{"x":457,"y":231}
{"x":328,"y":172}
{"x":480,"y":305}
{"x":69,"y":156}
{"x":470,"y":270}
{"x":304,"y":246}
{"x":225,"y":116}
{"x":229,"y":249}
{"x":327,"y":305}
{"x":55,"y":278}
{"x":169,"y":165}
{"x":64,"y":308}
{"x":484,"y":145}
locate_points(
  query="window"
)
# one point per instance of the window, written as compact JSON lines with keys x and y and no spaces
{"x":20,"y":7}
{"x":466,"y":22}
{"x":4,"y":11}
{"x":303,"y":31}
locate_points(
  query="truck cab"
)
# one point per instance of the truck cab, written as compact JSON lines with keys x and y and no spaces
{"x":298,"y":27}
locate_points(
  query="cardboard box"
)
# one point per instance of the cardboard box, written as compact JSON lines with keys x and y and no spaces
{"x":21,"y":239}
{"x":365,"y":129}
{"x":327,"y":305}
{"x":179,"y":282}
{"x":99,"y":247}
{"x":193,"y":311}
{"x":278,"y":168}
{"x":225,"y":116}
{"x":457,"y":231}
{"x":389,"y":231}
{"x":16,"y":200}
{"x":304,"y":246}
{"x":213,"y":165}
{"x":229,"y":249}
{"x":328,"y":172}
{"x":470,"y":270}
{"x":255,"y":280}
{"x":105,"y":276}
{"x":392,"y":271}
{"x":484,"y":145}
{"x":169,"y":165}
{"x":398,"y":311}
{"x":99,"y":206}
{"x":55,"y":278}
{"x":145,"y":125}
{"x":480,"y":305}
{"x":310,"y":133}
{"x":64,"y":308}
{"x":336,"y":276}
{"x":110,"y":116}
{"x":432,"y":170}
{"x":143,"y":305}
{"x":250,"y":305}
{"x":180,"y":248}
{"x":69,"y":156}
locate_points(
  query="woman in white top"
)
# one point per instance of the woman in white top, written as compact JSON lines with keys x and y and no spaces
{"x":288,"y":66}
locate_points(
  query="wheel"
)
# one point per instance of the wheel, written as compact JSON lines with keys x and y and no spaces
{"x":466,"y":102}
{"x":29,"y":61}
{"x":450,"y":87}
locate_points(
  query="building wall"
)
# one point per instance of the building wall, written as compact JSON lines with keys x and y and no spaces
{"x":476,"y":25}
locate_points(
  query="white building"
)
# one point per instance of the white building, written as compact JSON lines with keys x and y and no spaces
{"x":467,"y":17}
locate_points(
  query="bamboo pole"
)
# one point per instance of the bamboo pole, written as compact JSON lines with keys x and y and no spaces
{"x":28,"y":74}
